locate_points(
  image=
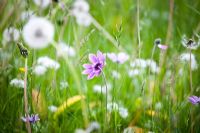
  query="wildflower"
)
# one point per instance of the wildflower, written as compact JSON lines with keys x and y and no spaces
{"x":19,"y":83}
{"x":119,"y":58}
{"x":26,"y":15}
{"x":84,"y":19}
{"x":39,"y":70}
{"x":158,"y":43}
{"x":11,"y":34}
{"x":102,"y":89}
{"x":158,"y":105}
{"x":189,"y":43}
{"x":93,"y":126}
{"x":32,"y":119}
{"x":185,"y":57}
{"x":96,"y":66}
{"x":64,"y":84}
{"x":123,"y":112}
{"x":81,"y":12}
{"x":38,"y":32}
{"x":194,"y":99}
{"x":52,"y":108}
{"x":139,"y":63}
{"x":48,"y":62}
{"x":116,"y":74}
{"x":134,"y":72}
{"x":80,"y":6}
{"x":153,"y":66}
{"x":64,"y":50}
{"x":42,"y":3}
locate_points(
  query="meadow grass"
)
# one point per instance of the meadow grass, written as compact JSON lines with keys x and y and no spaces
{"x":156,"y":102}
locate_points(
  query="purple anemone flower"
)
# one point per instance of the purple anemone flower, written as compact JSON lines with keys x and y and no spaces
{"x":194,"y":99}
{"x":96,"y":66}
{"x":31,"y":119}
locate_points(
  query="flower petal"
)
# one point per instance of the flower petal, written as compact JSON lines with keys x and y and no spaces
{"x":90,"y":76}
{"x":87,"y":66}
{"x":93,"y":58}
{"x":101,"y":56}
{"x":87,"y":71}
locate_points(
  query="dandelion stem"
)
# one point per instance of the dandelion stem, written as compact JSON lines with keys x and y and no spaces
{"x":25,"y":95}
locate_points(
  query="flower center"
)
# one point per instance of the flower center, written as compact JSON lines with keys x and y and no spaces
{"x":38,"y":33}
{"x":97,"y":66}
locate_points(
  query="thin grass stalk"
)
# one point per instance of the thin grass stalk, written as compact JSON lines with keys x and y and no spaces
{"x":28,"y":126}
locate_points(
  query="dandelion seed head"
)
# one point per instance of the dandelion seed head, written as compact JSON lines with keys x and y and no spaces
{"x":26,"y":15}
{"x":189,"y":43}
{"x":38,"y":32}
{"x":185,"y":57}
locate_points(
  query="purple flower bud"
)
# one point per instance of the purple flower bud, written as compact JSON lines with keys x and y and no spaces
{"x":31,"y":119}
{"x":194,"y":99}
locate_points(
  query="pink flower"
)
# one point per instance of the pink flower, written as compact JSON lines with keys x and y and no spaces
{"x":96,"y":66}
{"x":163,"y":47}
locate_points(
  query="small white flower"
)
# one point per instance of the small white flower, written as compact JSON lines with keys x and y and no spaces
{"x":116,"y":74}
{"x":48,"y":62}
{"x":84,"y":19}
{"x":134,"y":72}
{"x":123,"y":112}
{"x":38,"y":32}
{"x":112,"y":106}
{"x":139,"y":63}
{"x":64,"y":84}
{"x":93,"y":127}
{"x":153,"y":66}
{"x":119,"y":58}
{"x":52,"y":108}
{"x":102,"y":89}
{"x":42,"y":3}
{"x":185,"y":57}
{"x":64,"y":50}
{"x":129,"y":130}
{"x":39,"y":70}
{"x":158,"y":105}
{"x":19,"y":83}
{"x":11,"y":34}
{"x":26,"y":15}
{"x":81,"y":12}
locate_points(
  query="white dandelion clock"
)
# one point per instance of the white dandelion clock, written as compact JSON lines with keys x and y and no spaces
{"x":80,"y":6}
{"x":42,"y":3}
{"x":189,"y":43}
{"x":123,"y":112}
{"x":11,"y":34}
{"x":19,"y":83}
{"x":38,"y":32}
